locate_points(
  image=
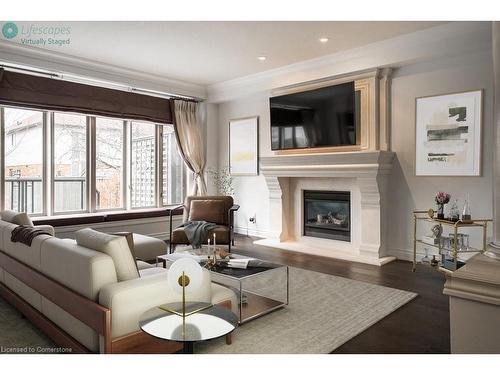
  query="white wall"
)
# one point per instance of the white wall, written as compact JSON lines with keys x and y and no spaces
{"x":410,"y":192}
{"x":452,"y":74}
{"x":250,"y":192}
{"x":211,"y":143}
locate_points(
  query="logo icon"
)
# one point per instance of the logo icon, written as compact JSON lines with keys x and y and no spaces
{"x":9,"y":30}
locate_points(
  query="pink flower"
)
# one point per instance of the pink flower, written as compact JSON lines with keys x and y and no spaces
{"x":442,"y":197}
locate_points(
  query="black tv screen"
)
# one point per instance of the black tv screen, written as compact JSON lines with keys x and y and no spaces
{"x":323,"y":117}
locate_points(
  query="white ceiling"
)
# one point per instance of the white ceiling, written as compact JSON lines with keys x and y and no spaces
{"x":210,"y":52}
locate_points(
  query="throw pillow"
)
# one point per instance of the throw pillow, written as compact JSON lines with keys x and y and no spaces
{"x":207,"y":210}
{"x":114,"y":246}
{"x":14,"y":217}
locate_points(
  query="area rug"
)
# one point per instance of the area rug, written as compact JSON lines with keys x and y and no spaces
{"x":324,"y":312}
{"x":18,"y":335}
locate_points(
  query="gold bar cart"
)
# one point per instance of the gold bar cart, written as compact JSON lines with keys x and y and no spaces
{"x":428,"y":216}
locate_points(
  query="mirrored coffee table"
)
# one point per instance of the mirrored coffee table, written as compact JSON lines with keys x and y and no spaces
{"x":261,"y":288}
{"x":213,"y":322}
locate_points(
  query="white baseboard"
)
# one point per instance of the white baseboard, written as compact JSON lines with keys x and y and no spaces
{"x":407,"y":254}
{"x":251,"y":232}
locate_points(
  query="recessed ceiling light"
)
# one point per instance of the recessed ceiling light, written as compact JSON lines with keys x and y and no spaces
{"x":262,"y":58}
{"x":323,"y":40}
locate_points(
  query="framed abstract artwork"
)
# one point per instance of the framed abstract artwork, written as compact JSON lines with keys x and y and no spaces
{"x":244,"y":146}
{"x":448,"y":134}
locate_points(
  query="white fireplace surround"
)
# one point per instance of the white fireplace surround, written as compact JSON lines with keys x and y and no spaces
{"x":364,"y":174}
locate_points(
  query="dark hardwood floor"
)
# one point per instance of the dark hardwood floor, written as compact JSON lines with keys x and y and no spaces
{"x":420,"y":326}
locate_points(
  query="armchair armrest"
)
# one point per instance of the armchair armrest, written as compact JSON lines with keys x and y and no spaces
{"x":177,"y":207}
{"x":171,"y":225}
{"x":171,"y":213}
{"x":231,"y":211}
{"x":235,"y":207}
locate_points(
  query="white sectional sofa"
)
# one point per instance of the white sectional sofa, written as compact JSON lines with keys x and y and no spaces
{"x":60,"y":272}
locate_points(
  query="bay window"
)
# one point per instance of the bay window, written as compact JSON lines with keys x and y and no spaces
{"x":65,"y":163}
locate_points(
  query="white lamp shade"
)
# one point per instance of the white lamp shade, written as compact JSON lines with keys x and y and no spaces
{"x":191,"y":269}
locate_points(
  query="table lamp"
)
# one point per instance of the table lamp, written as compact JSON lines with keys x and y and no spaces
{"x":185,"y":275}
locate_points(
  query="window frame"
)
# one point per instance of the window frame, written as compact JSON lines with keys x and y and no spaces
{"x":156,"y":176}
{"x":88,"y":177}
{"x":48,"y":160}
{"x":93,"y":187}
{"x":160,"y":180}
{"x":44,"y":158}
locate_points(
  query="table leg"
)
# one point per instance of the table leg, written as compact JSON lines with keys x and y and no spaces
{"x":188,"y":347}
{"x":414,"y":266}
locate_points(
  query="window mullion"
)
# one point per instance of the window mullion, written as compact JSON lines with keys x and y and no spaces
{"x":2,"y":160}
{"x":125,"y":168}
{"x":159,"y":164}
{"x":128,"y":164}
{"x":52,"y":164}
{"x":91,"y":163}
{"x":45,"y":164}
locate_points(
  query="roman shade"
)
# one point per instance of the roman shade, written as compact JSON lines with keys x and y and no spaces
{"x":24,"y":90}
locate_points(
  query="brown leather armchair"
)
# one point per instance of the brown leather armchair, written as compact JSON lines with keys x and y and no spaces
{"x":214,"y":209}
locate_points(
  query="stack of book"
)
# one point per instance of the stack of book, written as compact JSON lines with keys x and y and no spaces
{"x":238,"y":263}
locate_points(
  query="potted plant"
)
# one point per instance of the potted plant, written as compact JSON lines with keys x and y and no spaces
{"x":222,"y":180}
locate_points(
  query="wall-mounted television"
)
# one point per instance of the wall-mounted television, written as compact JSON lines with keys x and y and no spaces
{"x":324,"y":117}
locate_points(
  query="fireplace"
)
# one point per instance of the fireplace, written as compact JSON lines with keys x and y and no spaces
{"x":327,"y":214}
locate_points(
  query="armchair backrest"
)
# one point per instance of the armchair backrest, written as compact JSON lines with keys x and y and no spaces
{"x":208,"y":208}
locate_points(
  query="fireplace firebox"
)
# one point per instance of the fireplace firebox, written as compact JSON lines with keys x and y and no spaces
{"x":327,"y":214}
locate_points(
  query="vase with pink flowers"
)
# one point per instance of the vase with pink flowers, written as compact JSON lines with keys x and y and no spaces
{"x":441,"y":199}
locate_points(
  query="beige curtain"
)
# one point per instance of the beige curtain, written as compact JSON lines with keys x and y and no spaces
{"x":191,"y":142}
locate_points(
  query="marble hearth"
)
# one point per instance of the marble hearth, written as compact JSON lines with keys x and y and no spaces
{"x":363,"y":173}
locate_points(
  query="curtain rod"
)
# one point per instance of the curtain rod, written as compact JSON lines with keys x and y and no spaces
{"x":96,"y":82}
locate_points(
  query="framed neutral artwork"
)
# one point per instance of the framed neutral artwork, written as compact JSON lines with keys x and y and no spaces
{"x":244,"y":146}
{"x":448,"y":134}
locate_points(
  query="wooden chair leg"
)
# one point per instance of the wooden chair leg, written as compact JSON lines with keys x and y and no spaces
{"x":227,"y":305}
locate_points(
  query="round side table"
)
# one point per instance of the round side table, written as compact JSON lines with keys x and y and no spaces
{"x":209,"y":323}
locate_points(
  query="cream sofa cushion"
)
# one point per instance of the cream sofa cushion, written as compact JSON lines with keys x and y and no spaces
{"x":129,"y":299}
{"x":29,"y":255}
{"x":83,"y":270}
{"x":114,"y":246}
{"x":148,"y":248}
{"x":14,"y":217}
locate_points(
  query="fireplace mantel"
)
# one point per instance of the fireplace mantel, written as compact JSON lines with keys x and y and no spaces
{"x":362,"y":172}
{"x":341,"y":164}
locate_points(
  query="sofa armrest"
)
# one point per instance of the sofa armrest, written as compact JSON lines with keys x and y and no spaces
{"x":127,"y":300}
{"x":46,"y":228}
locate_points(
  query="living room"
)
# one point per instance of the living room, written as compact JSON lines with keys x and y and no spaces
{"x":247,"y":185}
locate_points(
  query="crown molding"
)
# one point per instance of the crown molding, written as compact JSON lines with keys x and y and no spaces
{"x":14,"y":53}
{"x":451,"y":39}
